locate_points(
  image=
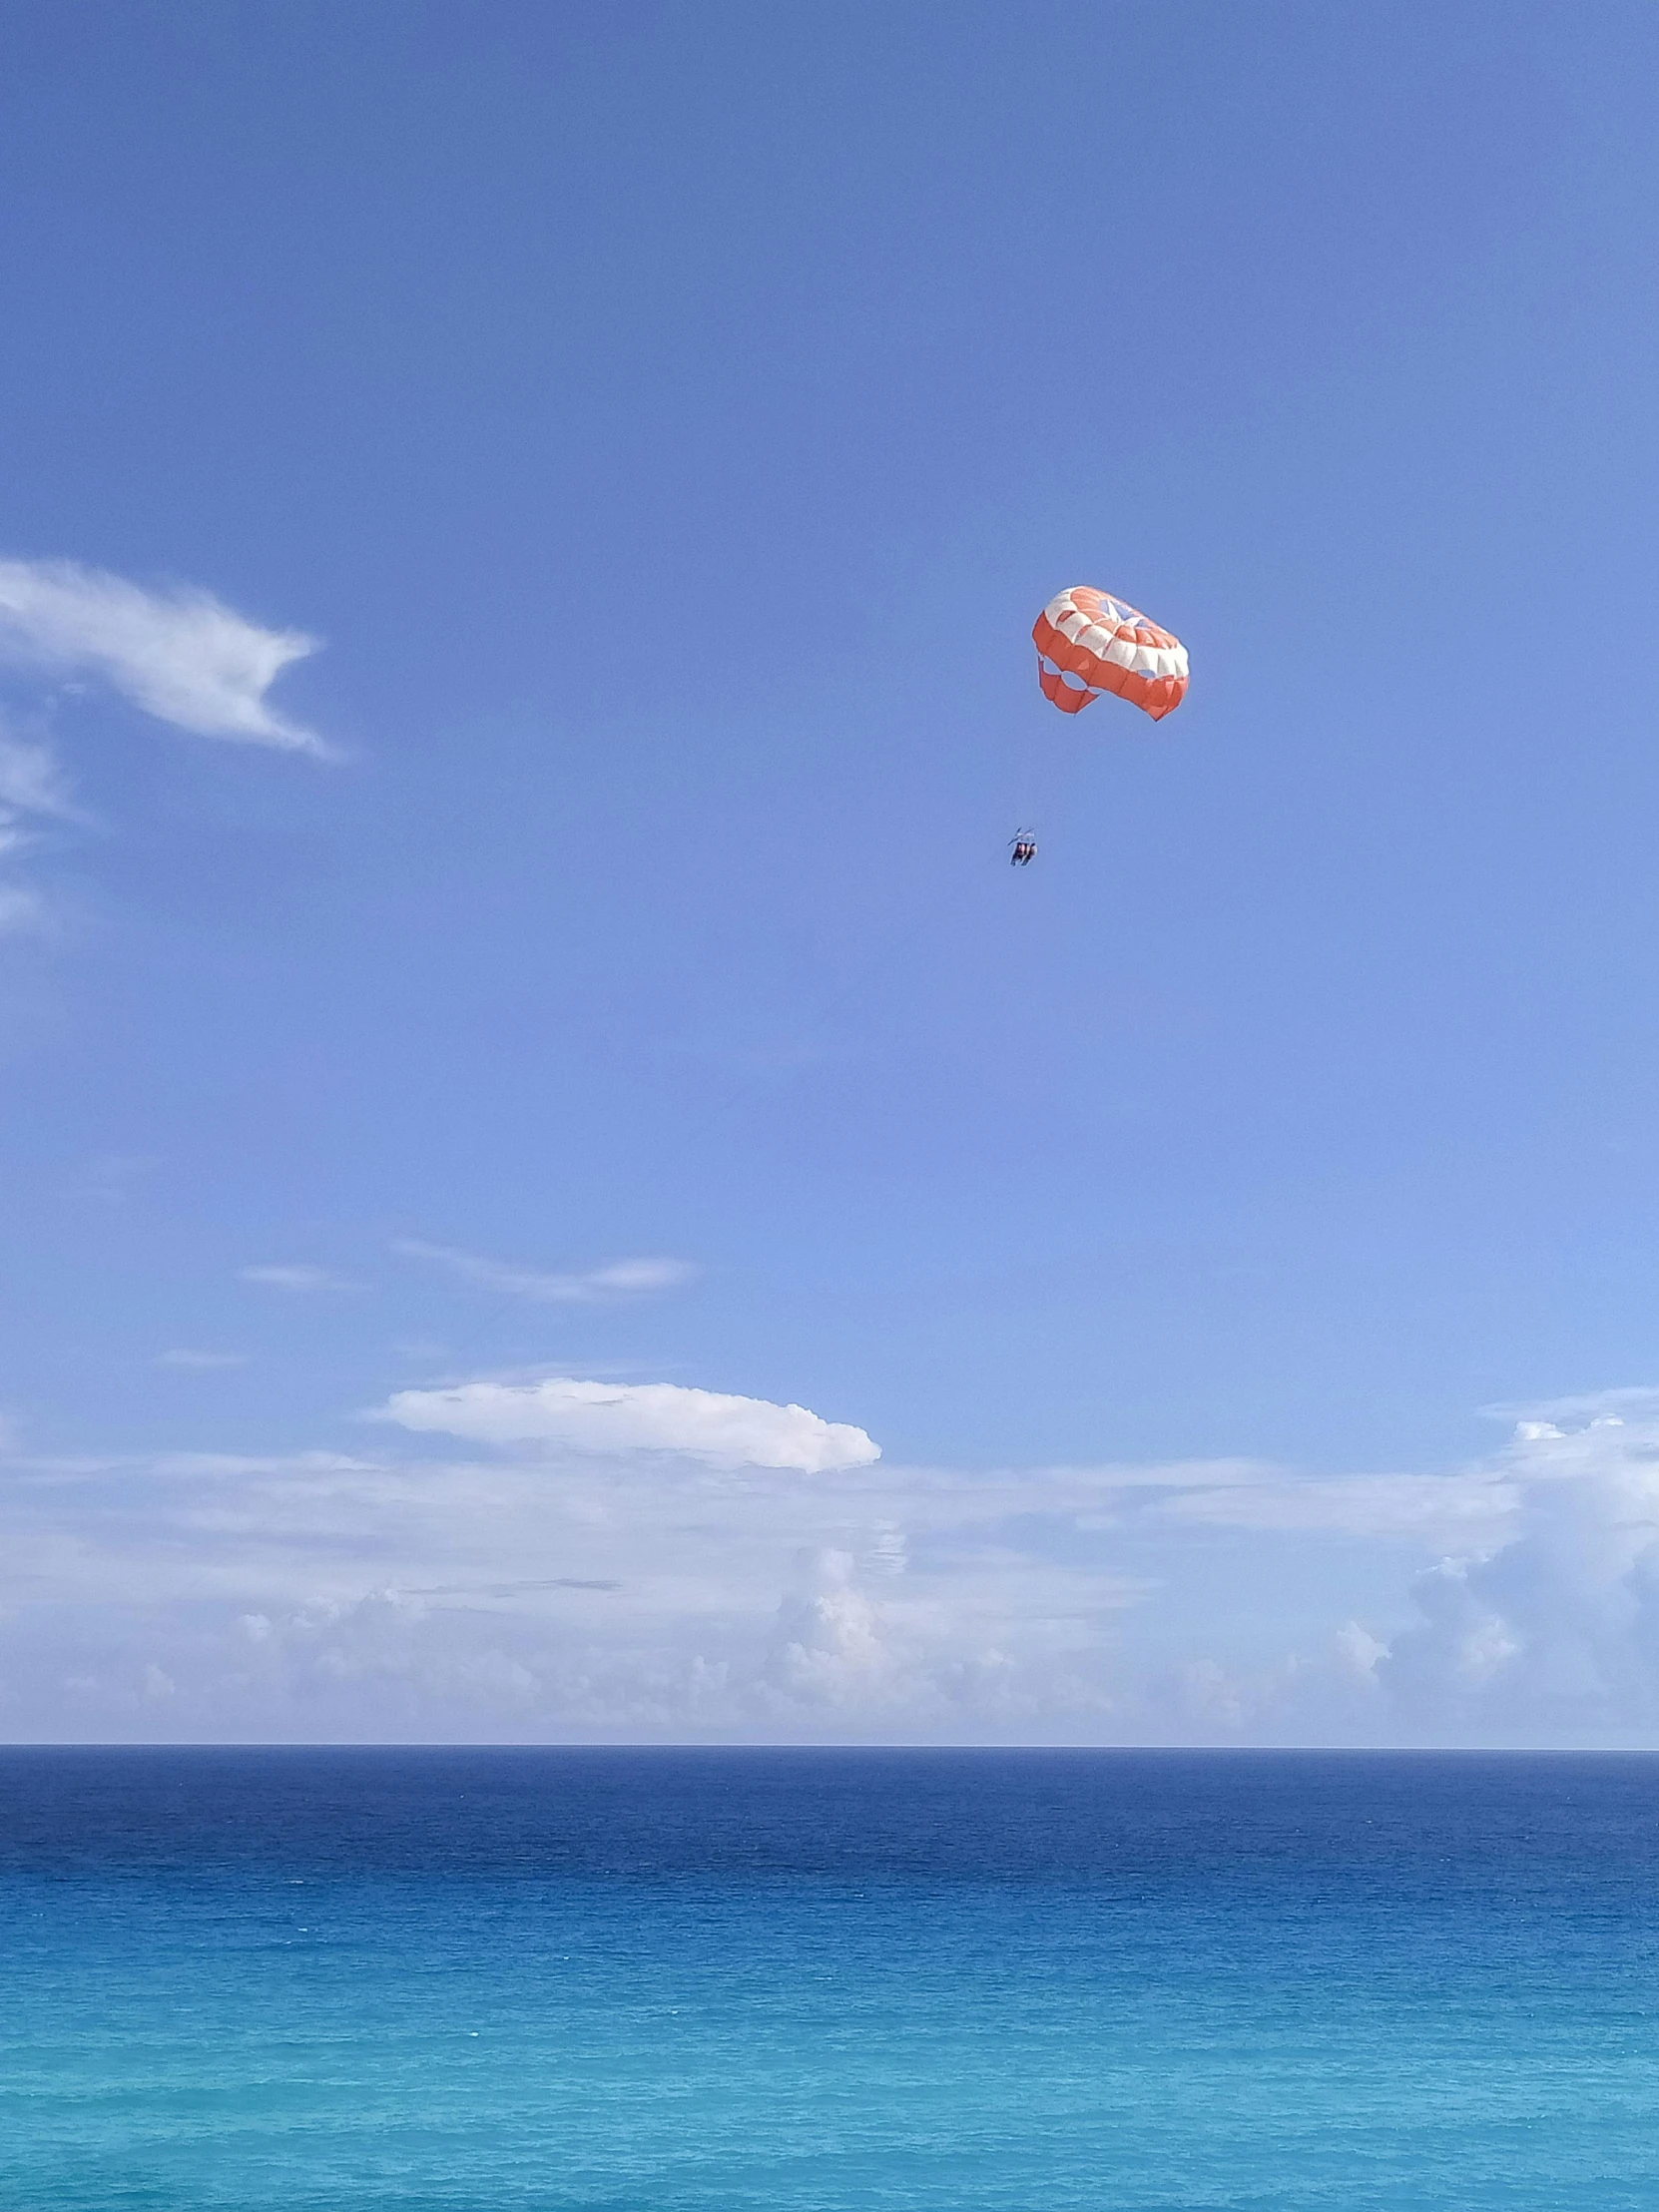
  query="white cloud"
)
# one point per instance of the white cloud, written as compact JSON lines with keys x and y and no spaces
{"x":301,"y":1279}
{"x":32,"y":791}
{"x":832,"y":1642}
{"x":641,"y":1561}
{"x":32,"y":783}
{"x":325,"y":1596}
{"x":609,"y":1418}
{"x":1471,"y":1507}
{"x":1586,"y":1405}
{"x":1552,"y":1635}
{"x":632,"y":1582}
{"x":620,"y":1278}
{"x":180,"y":654}
{"x":182,"y":1356}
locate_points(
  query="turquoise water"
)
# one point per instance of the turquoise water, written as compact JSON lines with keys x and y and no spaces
{"x":642,"y":1980}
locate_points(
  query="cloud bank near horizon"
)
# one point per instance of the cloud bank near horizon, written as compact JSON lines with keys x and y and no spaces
{"x":646,"y":1561}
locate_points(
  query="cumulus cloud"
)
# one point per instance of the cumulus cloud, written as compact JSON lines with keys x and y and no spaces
{"x":1532,"y":1620}
{"x":1552,"y":1635}
{"x":832,"y":1643}
{"x":179,"y":654}
{"x":619,"y":1279}
{"x":643,"y":1562}
{"x":329,"y":1595}
{"x":611,"y":1418}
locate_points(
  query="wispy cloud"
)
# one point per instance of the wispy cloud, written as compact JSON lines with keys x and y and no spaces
{"x":300,"y":1279}
{"x":1473,"y":1505}
{"x":619,"y":1279}
{"x":24,"y":913}
{"x":1636,"y":1399}
{"x":182,"y":1356}
{"x":32,"y":782}
{"x":112,"y":1177}
{"x":615,"y":1419}
{"x":180,"y":654}
{"x":33,"y":792}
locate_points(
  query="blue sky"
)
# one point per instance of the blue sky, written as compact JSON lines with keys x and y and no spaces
{"x":594,"y":962}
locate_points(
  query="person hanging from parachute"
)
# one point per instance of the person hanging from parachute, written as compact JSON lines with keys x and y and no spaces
{"x":1088,"y":643}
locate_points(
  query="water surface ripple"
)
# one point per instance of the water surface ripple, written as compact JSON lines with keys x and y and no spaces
{"x":820,"y":1981}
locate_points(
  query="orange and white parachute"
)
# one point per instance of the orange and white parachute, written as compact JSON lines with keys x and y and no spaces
{"x":1088,"y":643}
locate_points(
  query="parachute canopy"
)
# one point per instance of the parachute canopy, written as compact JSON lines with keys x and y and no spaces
{"x":1088,"y":641}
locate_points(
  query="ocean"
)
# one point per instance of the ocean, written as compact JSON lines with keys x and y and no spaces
{"x":616,"y":1980}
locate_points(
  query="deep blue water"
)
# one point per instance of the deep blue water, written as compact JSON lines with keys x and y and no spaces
{"x":645,"y":1981}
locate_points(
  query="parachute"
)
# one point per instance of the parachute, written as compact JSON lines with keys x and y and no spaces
{"x":1088,"y":643}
